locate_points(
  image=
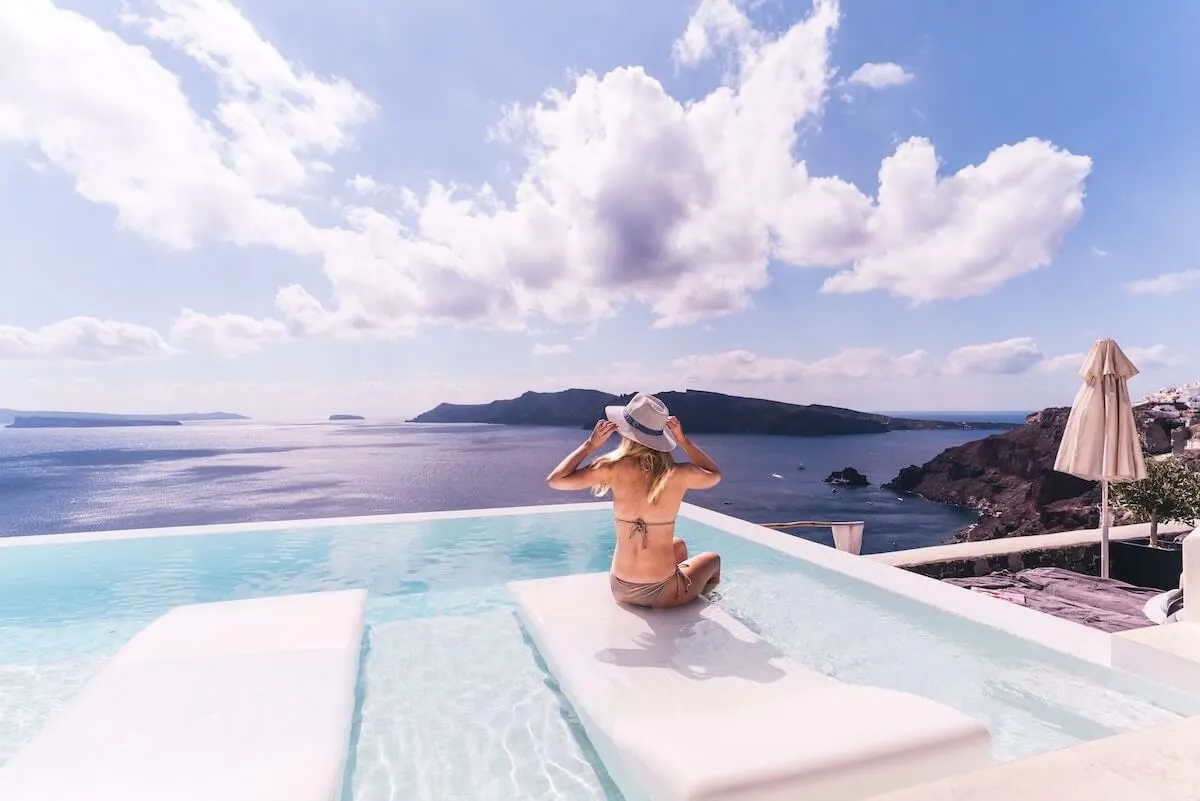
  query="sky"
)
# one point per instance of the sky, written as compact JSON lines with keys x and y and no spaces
{"x":293,"y":208}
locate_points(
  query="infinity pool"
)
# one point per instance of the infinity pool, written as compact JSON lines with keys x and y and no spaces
{"x":456,"y":703}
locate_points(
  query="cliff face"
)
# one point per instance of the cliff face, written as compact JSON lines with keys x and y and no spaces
{"x":1010,"y":478}
{"x":702,"y":413}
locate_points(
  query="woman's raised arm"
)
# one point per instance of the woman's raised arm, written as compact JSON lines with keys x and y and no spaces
{"x":569,"y":475}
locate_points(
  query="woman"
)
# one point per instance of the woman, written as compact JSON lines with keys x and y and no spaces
{"x":651,"y":567}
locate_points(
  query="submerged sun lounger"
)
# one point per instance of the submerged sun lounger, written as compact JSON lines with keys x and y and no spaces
{"x":234,"y":701}
{"x":689,"y":705}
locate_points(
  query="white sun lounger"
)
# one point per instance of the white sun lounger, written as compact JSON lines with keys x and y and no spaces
{"x":689,"y":705}
{"x":237,"y":701}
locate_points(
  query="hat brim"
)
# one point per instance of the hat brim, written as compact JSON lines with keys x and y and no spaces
{"x":662,"y":442}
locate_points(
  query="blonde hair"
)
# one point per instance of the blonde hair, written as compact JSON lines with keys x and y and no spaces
{"x":656,"y":464}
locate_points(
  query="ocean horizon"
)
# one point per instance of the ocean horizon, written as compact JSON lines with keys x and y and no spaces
{"x":71,"y":480}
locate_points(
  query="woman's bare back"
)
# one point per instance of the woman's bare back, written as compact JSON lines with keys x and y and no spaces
{"x":645,"y":529}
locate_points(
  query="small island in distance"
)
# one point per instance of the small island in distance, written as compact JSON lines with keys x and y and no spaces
{"x":702,"y":412}
{"x":336,"y":417}
{"x":53,"y":419}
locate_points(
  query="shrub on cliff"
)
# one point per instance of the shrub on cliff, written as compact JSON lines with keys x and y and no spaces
{"x":1170,"y":492}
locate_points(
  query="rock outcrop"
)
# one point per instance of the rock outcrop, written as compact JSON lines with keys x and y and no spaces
{"x":1010,"y":478}
{"x":847,"y":477}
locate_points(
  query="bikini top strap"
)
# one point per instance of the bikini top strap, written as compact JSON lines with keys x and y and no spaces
{"x":640,"y":526}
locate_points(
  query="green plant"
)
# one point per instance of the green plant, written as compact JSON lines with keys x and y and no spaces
{"x":1169,"y":492}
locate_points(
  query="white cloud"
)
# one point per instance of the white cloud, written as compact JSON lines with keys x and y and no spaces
{"x":227,"y":334}
{"x":714,"y":25}
{"x":1166,"y":284}
{"x":913,"y":381}
{"x":1022,"y":354}
{"x":851,"y":363}
{"x":737,"y":366}
{"x":626,"y":194}
{"x":880,"y":75}
{"x":84,"y":339}
{"x":1007,"y":357}
{"x":117,"y":121}
{"x":929,"y":238}
{"x":1153,"y":356}
{"x":551,"y":350}
{"x":1067,"y":361}
{"x":278,"y":116}
{"x":1099,"y":252}
{"x":363,"y":184}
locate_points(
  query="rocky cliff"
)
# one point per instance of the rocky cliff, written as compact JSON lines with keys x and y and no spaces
{"x":702,"y":413}
{"x":1010,"y":478}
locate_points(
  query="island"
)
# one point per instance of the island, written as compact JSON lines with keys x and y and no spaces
{"x":703,"y":412}
{"x":10,"y":415}
{"x":335,"y":417}
{"x":87,"y":422}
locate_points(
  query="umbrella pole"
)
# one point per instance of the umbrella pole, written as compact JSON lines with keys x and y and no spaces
{"x":1104,"y":529}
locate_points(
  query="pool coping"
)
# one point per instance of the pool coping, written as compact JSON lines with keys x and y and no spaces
{"x":302,"y":523}
{"x":1074,"y":639}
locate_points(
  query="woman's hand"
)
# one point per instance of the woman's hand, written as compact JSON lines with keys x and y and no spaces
{"x":676,"y":428}
{"x":600,"y":434}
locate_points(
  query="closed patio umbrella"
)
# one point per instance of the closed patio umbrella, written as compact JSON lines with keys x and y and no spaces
{"x":1101,"y":441}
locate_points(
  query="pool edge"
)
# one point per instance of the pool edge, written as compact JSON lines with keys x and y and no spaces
{"x":29,"y":540}
{"x":1064,"y":636}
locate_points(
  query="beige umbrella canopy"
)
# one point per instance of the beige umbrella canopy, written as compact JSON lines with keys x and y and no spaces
{"x":1101,"y":440}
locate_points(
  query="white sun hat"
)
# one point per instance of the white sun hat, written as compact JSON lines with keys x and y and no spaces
{"x":644,"y":420}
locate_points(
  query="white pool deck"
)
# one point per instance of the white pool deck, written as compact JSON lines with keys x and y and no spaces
{"x":1156,"y":763}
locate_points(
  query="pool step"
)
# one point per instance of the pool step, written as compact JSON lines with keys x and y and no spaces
{"x":239,"y":701}
{"x":689,"y":705}
{"x":1169,"y":653}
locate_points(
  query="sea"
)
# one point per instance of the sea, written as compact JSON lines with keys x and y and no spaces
{"x":98,"y":479}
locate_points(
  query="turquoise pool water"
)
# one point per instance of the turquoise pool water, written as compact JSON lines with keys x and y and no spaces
{"x":455,"y":702}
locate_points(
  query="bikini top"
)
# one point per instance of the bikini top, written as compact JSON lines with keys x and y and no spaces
{"x":640,"y":526}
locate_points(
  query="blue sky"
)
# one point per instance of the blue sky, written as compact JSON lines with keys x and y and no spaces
{"x":292,"y":208}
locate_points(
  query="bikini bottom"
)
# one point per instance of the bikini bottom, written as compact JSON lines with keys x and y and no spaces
{"x":646,"y":593}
